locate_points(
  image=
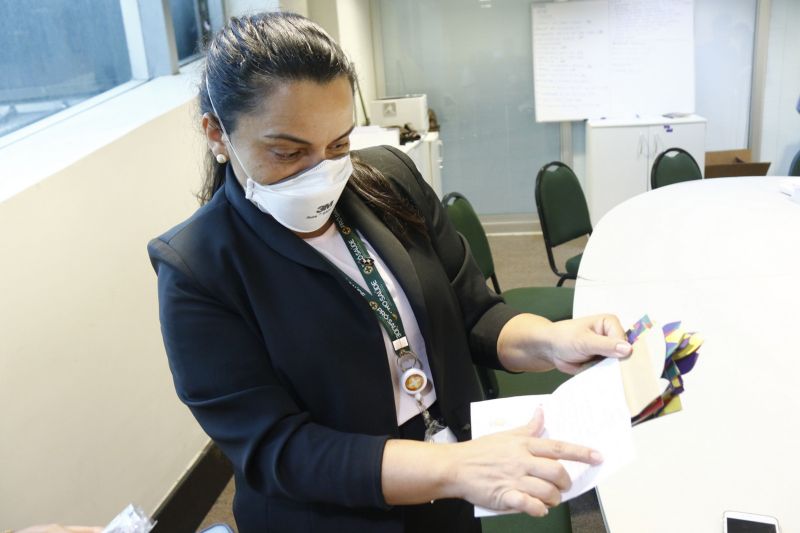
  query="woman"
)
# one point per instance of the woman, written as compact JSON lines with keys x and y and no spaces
{"x":322,"y":317}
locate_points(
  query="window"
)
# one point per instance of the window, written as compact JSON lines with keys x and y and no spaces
{"x":57,"y":54}
{"x":192,"y":27}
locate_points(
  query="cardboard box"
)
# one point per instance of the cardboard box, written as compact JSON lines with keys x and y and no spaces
{"x":728,"y":163}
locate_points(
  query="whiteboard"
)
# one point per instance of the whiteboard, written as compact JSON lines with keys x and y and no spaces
{"x":612,"y":58}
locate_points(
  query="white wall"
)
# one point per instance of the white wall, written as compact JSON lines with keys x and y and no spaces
{"x":349,"y":22}
{"x":355,"y":37}
{"x":235,"y":8}
{"x":88,"y":414}
{"x":780,"y":137}
{"x":723,"y":41}
{"x":326,"y":14}
{"x":295,"y":6}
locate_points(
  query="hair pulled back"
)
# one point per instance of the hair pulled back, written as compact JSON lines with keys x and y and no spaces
{"x":249,"y":57}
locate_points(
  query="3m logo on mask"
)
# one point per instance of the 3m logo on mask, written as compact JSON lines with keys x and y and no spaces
{"x":323,"y":208}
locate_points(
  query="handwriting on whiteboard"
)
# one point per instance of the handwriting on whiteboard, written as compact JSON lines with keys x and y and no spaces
{"x":612,"y":57}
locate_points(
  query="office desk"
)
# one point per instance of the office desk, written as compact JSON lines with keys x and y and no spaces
{"x":723,"y":256}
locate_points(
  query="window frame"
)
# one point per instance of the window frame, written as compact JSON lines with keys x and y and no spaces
{"x":152,"y":52}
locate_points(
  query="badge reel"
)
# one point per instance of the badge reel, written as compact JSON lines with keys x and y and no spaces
{"x":413,"y":382}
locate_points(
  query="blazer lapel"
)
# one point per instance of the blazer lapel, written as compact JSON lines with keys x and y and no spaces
{"x":379,"y":236}
{"x":392,"y":252}
{"x":276,"y":236}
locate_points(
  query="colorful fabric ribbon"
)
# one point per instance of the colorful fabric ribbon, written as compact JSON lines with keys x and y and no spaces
{"x":679,"y":359}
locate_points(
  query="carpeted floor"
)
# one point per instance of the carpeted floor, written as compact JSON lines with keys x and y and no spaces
{"x":520,"y":261}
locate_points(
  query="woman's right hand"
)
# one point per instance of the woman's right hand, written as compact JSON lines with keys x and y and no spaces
{"x":514,"y":470}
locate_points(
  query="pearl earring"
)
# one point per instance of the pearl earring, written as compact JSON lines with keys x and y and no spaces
{"x":221,"y":159}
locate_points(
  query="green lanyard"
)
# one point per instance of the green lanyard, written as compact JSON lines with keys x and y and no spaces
{"x":378,"y":296}
{"x":413,"y":380}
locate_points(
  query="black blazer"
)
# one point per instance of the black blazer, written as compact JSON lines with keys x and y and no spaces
{"x":283,"y":364}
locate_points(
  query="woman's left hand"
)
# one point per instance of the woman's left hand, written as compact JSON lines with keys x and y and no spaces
{"x":532,"y":343}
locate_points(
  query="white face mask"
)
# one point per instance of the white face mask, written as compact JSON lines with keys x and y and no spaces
{"x":303,"y":202}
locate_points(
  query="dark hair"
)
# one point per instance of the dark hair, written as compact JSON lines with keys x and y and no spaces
{"x":253,"y":54}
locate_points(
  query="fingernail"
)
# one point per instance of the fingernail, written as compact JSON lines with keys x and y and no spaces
{"x":596,"y":457}
{"x":546,"y":510}
{"x":624,"y":349}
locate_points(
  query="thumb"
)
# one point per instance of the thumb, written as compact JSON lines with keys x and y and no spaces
{"x":536,"y":425}
{"x":595,"y":344}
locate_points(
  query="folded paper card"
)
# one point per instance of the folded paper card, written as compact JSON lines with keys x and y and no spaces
{"x":589,"y":409}
{"x":641,"y":372}
{"x":598,"y":407}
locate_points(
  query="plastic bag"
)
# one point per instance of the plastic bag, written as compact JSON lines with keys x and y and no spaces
{"x":131,"y":520}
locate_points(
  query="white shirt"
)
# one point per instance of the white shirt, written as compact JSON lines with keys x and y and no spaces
{"x":332,"y":246}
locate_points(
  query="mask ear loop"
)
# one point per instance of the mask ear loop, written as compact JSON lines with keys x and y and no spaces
{"x":225,"y":132}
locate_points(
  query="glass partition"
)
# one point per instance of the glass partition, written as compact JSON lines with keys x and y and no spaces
{"x":474,"y":61}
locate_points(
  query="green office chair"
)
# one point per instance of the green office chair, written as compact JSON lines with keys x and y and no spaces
{"x":554,"y":303}
{"x":674,"y":165}
{"x":794,"y":169}
{"x":557,"y":521}
{"x":563,"y":214}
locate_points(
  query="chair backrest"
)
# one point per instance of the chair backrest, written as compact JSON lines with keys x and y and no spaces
{"x":464,"y":218}
{"x":794,"y":169}
{"x":467,"y":223}
{"x":674,"y":165}
{"x":562,"y":208}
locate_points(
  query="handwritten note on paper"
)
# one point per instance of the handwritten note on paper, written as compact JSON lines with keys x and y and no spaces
{"x":589,"y":409}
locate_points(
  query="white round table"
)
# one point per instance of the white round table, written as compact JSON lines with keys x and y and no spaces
{"x":723,"y":256}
